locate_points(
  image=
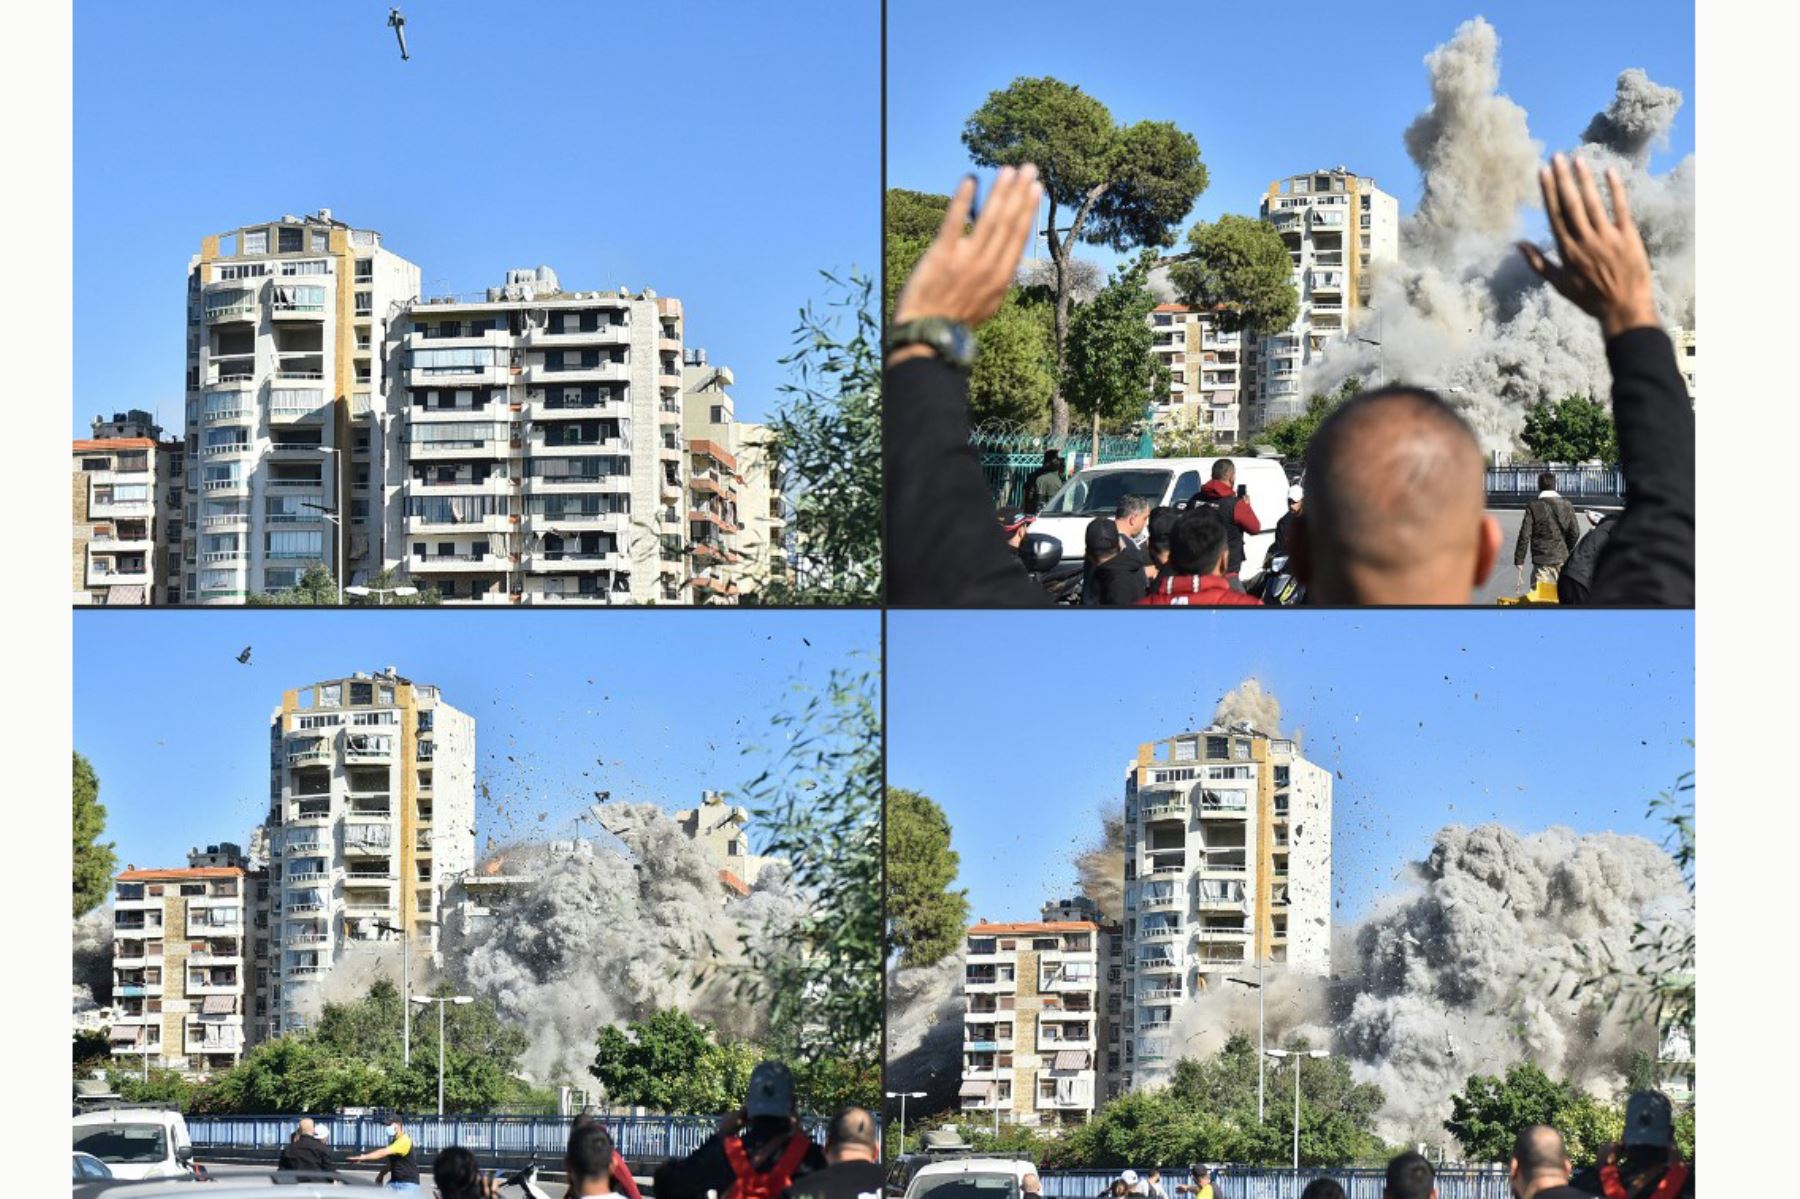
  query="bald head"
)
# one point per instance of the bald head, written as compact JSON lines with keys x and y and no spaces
{"x":1395,"y":504}
{"x":852,"y":1137}
{"x":1539,"y":1158}
{"x":306,"y":1126}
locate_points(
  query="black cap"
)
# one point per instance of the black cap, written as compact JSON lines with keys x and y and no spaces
{"x":1102,"y":536}
{"x":1649,"y":1120}
{"x":771,"y":1091}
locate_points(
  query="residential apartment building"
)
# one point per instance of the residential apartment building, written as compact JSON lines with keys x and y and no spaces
{"x":1337,"y":227}
{"x":710,"y":435}
{"x":1227,"y":863}
{"x":762,"y":508}
{"x":126,"y":500}
{"x":1031,"y":1022}
{"x":365,"y":772}
{"x":288,"y":443}
{"x":1211,"y":373}
{"x":542,"y":441}
{"x":1687,"y":346}
{"x":179,"y":967}
{"x":1109,"y":1057}
{"x":719,"y":828}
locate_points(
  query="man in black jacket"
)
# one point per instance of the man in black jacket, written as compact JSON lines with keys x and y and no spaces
{"x":1549,"y":531}
{"x":765,"y":1131}
{"x":305,"y":1151}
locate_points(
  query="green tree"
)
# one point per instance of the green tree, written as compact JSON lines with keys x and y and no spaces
{"x":830,"y":1084}
{"x":819,"y":804}
{"x":1291,"y":436}
{"x":1123,"y":186}
{"x":1110,"y":375}
{"x":673,"y":1064}
{"x":1573,"y":429}
{"x":1186,"y":438}
{"x":93,"y":860}
{"x":1238,"y":268}
{"x":1588,"y":1125}
{"x":925,"y":916}
{"x":164,"y":1088}
{"x":826,"y":440}
{"x":92,"y":1051}
{"x":318,"y":588}
{"x":1489,"y":1111}
{"x":910,"y":220}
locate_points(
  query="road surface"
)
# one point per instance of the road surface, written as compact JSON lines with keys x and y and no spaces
{"x":223,"y":1170}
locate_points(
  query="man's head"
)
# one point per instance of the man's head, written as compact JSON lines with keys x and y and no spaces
{"x":1649,"y":1120}
{"x":1396,"y":510}
{"x":771,"y":1092}
{"x":456,"y":1174}
{"x":1296,"y":497}
{"x":394,"y":1126}
{"x":1323,"y":1188}
{"x":589,"y":1160}
{"x":1053,"y":458}
{"x":1198,"y":544}
{"x":1224,"y":471}
{"x":1546,"y":481}
{"x":1102,"y":539}
{"x":1160,"y":525}
{"x":1200,"y":1172}
{"x":1155,"y":1176}
{"x":852,"y":1138}
{"x":1538,"y":1159}
{"x":1132,"y":514}
{"x":1030,"y":1185}
{"x":1410,"y":1176}
{"x":306,"y":1126}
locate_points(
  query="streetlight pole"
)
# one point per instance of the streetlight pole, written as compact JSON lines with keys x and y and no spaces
{"x":441,"y":1001}
{"x":405,"y":990}
{"x":903,"y":1096}
{"x":381,"y":593}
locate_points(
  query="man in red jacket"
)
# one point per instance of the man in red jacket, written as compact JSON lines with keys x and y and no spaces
{"x":1198,"y":556}
{"x":1221,"y":493}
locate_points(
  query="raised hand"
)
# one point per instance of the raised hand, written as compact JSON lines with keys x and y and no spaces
{"x":1605,"y":270}
{"x":964,"y":277}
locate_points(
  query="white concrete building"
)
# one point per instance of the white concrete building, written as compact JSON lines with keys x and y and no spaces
{"x":127,"y":501}
{"x":179,"y":969}
{"x":365,"y":773}
{"x":1210,"y":373}
{"x":1032,"y":1024}
{"x":1337,"y":226}
{"x":542,"y":435}
{"x":718,"y":828}
{"x":286,"y":391}
{"x":1227,"y":860}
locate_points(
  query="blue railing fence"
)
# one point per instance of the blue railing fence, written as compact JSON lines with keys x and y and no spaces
{"x":1245,"y":1182}
{"x":639,"y":1138}
{"x":1008,"y":457}
{"x":1520,"y":481}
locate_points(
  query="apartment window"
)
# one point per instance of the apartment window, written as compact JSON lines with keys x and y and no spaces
{"x":365,"y":270}
{"x":362,"y":694}
{"x":290,"y":240}
{"x":331,"y":695}
{"x":718,"y":414}
{"x":1365,"y":220}
{"x":106,"y":464}
{"x":365,"y":302}
{"x":321,"y":241}
{"x":1184,"y":751}
{"x":256,"y":241}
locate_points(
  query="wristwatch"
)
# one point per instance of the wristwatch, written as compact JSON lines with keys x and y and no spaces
{"x":950,"y":340}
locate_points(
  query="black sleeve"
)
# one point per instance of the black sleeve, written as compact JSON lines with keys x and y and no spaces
{"x":1649,"y":559}
{"x":705,"y":1169}
{"x":945,"y":546}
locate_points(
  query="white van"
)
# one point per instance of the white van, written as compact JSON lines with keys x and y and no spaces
{"x":1164,"y":482}
{"x":971,"y":1178}
{"x":137,"y":1142}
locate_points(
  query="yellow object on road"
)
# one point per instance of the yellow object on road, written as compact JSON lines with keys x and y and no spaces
{"x":1542,"y":592}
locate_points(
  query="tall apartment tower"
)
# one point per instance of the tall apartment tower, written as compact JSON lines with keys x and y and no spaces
{"x":179,"y":969}
{"x":1227,"y":863}
{"x":365,"y":772}
{"x":1031,"y":1022}
{"x":541,"y":432}
{"x":1336,"y":226}
{"x":1109,"y":1054}
{"x":286,"y":391}
{"x":1210,"y":372}
{"x":127,"y":498}
{"x":710,"y":437}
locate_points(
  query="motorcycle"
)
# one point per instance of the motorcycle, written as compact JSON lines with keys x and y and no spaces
{"x":1275,"y":587}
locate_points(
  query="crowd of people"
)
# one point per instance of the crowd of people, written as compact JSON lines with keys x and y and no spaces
{"x":1644,"y":1164}
{"x":761,"y":1151}
{"x":1394,"y":504}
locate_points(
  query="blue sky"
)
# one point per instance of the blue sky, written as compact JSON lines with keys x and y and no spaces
{"x":1021,"y":725}
{"x":723,"y":153}
{"x":178,"y":731}
{"x":1233,"y":76}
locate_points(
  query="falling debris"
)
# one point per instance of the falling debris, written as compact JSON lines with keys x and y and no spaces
{"x":244,"y":656}
{"x":397,"y":23}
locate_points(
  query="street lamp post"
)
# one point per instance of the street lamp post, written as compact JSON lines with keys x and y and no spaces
{"x":335,"y":517}
{"x":381,"y":592}
{"x":441,"y":1001}
{"x":405,"y":989}
{"x":903,"y":1096}
{"x":1297,"y":1054}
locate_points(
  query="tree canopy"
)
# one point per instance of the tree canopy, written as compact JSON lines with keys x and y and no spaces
{"x":1292,"y":435}
{"x":1111,"y":375}
{"x":1572,"y":429}
{"x":673,"y":1063}
{"x":1238,"y":269}
{"x":926,"y":918}
{"x":94,"y":860}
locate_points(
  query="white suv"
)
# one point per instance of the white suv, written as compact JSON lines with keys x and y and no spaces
{"x":970,"y":1178}
{"x":137,"y":1142}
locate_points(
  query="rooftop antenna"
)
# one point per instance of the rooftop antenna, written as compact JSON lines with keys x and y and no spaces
{"x":397,"y":23}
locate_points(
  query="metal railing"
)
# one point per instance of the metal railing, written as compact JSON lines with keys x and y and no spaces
{"x":1246,"y":1182}
{"x":1520,"y":482}
{"x":1009,"y":457}
{"x":639,"y":1138}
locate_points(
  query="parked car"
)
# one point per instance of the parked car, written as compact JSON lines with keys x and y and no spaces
{"x":970,"y":1178}
{"x":89,"y":1167}
{"x":258,"y":1186}
{"x":1163,"y":482}
{"x":137,"y":1143}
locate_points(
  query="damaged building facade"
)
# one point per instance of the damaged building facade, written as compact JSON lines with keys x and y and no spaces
{"x":525,"y":445}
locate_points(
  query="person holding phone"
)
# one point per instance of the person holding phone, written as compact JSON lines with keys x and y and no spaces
{"x":1232,"y":500}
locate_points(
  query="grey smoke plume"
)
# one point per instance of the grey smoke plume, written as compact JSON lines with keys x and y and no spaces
{"x":91,"y":942}
{"x":1248,"y":703}
{"x":924,"y":1030}
{"x":1461,"y":311}
{"x":1455,"y":976}
{"x":1101,"y":868}
{"x":602,"y":935}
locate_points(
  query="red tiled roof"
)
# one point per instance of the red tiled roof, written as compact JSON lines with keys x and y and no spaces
{"x":84,"y":445}
{"x":734,"y":882}
{"x":1039,"y":926}
{"x":134,"y":876}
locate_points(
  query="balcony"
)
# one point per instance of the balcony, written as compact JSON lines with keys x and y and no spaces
{"x":458,"y":563}
{"x":478,"y":445}
{"x":297,"y":409}
{"x":1161,"y":901}
{"x":602,"y":407}
{"x":568,"y":484}
{"x":368,"y":749}
{"x":1157,"y":964}
{"x":233,"y":312}
{"x":303,"y":754}
{"x":993,"y":1073}
{"x":476,"y":375}
{"x":1326,"y":220}
{"x":1226,"y":934}
{"x":1160,"y":932}
{"x":539,"y":374}
{"x":609,"y":334}
{"x":980,"y":983}
{"x":1160,"y":995}
{"x":576,"y":561}
{"x":607,"y":445}
{"x":214,"y":984}
{"x":1163,"y":806}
